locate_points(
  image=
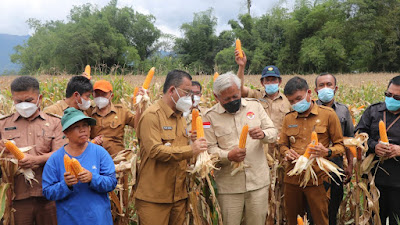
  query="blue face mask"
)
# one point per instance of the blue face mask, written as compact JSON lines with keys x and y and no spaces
{"x":392,"y":104}
{"x":271,"y":88}
{"x":326,"y":94}
{"x":302,"y":105}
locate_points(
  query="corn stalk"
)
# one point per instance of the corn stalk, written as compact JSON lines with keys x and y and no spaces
{"x":9,"y":170}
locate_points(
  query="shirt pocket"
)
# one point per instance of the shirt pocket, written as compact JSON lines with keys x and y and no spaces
{"x":12,"y":135}
{"x":44,"y":141}
{"x":224,"y":138}
{"x":320,"y":129}
{"x":168,"y":136}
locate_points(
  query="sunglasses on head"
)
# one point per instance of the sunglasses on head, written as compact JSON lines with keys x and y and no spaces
{"x":390,"y":95}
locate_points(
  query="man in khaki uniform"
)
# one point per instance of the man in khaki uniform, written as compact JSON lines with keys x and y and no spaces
{"x":77,"y":95}
{"x":196,"y":89}
{"x":111,"y":119}
{"x":31,"y":127}
{"x":245,"y":193}
{"x":164,"y":150}
{"x":294,"y":139}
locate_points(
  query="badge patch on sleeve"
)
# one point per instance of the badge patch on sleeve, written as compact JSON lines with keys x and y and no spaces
{"x":206,"y":125}
{"x":250,"y":115}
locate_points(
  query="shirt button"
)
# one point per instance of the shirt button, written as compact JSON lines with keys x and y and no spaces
{"x":305,"y":128}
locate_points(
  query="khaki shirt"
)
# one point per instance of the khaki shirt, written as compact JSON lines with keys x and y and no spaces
{"x":57,"y":108}
{"x":164,"y":151}
{"x":112,"y":127}
{"x":296,"y":134}
{"x":276,"y":108}
{"x":44,"y":133}
{"x":223,"y":135}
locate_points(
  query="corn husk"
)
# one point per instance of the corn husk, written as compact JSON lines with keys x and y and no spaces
{"x":205,"y":163}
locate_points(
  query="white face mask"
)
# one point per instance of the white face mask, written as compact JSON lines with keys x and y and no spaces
{"x":196,"y":100}
{"x":101,"y":102}
{"x":184,"y":103}
{"x":85,"y":104}
{"x":27,"y":109}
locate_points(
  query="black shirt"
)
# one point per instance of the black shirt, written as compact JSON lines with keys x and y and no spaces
{"x":369,"y":123}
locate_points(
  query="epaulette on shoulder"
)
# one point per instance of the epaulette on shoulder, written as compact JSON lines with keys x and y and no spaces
{"x":210,"y":109}
{"x":252,"y":99}
{"x":54,"y":115}
{"x":153,"y":108}
{"x":2,"y":117}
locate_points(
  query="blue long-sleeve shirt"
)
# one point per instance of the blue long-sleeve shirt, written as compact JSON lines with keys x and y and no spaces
{"x":84,"y":203}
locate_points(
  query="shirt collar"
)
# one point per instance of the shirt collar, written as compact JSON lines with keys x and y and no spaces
{"x":220,"y":109}
{"x":113,"y":109}
{"x":334,"y":105}
{"x":16,"y":116}
{"x":314,"y":110}
{"x":277,"y":97}
{"x":164,"y":107}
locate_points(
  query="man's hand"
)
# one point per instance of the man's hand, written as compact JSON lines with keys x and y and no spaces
{"x":256,"y":133}
{"x":394,"y":150}
{"x":199,"y":145}
{"x":98,"y":140}
{"x":85,"y":176}
{"x":240,"y":61}
{"x":70,"y":179}
{"x":237,"y":154}
{"x":291,"y":155}
{"x":382,"y":149}
{"x":29,"y":161}
{"x":193,"y":135}
{"x":142,"y":91}
{"x":319,"y":151}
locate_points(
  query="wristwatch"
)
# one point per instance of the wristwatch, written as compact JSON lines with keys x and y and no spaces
{"x":329,"y":152}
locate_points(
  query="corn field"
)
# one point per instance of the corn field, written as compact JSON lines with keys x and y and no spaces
{"x":357,"y":91}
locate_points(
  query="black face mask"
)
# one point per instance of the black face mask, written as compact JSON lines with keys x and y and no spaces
{"x":233,"y":106}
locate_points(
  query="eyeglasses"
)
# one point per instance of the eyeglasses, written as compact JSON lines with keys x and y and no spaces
{"x":187,"y":93}
{"x":390,"y":95}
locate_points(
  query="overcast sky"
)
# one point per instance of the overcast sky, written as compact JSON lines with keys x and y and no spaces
{"x":170,"y":14}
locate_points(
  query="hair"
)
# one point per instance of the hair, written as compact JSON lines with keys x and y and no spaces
{"x":25,"y":83}
{"x":174,"y":78}
{"x":196,"y":83}
{"x":324,"y":74}
{"x":395,"y":80}
{"x":79,"y":84}
{"x":225,"y":81}
{"x":295,"y":84}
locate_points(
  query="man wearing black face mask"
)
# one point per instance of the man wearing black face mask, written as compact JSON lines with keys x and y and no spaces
{"x":245,"y":193}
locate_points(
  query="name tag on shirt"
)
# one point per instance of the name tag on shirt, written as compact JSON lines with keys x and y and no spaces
{"x":10,"y":128}
{"x":293,"y":125}
{"x":167,"y":128}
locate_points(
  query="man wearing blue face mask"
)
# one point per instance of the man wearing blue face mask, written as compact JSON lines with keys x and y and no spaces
{"x":294,"y":139}
{"x":387,"y":177}
{"x":325,"y":87}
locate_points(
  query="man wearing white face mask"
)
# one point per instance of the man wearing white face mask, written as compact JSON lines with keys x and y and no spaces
{"x":77,"y":95}
{"x":196,"y":89}
{"x":164,"y":150}
{"x":326,"y":87}
{"x":111,"y":119}
{"x":31,"y":127}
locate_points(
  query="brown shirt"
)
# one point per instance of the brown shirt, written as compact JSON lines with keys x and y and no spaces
{"x":276,"y":108}
{"x":164,"y":151}
{"x":57,"y":108}
{"x":112,"y":126}
{"x":223,"y":135}
{"x":296,"y":134}
{"x":44,"y":133}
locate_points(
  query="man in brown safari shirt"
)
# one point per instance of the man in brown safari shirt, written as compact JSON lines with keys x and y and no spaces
{"x":164,"y":150}
{"x":31,"y":127}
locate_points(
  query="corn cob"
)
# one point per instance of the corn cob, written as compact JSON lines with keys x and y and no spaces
{"x":216,"y":74}
{"x":195,"y":114}
{"x":353,"y":150}
{"x":76,"y":166}
{"x":314,"y":142}
{"x":243,"y":136}
{"x":11,"y":147}
{"x":87,"y":71}
{"x":382,"y":132}
{"x":300,"y":220}
{"x":134,"y":95}
{"x":148,"y":79}
{"x":67,"y":165}
{"x":239,"y":48}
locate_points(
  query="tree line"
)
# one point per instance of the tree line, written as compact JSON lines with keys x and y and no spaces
{"x":338,"y":36}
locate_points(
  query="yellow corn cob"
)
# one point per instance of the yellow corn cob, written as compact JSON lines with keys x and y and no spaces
{"x":67,"y":165}
{"x":239,"y":47}
{"x":299,"y":220}
{"x":134,"y":95}
{"x":243,"y":136}
{"x":76,"y":166}
{"x":199,"y":126}
{"x":314,"y":142}
{"x":195,"y":114}
{"x":149,"y":77}
{"x":382,"y":132}
{"x":216,"y":74}
{"x":353,"y":150}
{"x":87,"y":71}
{"x":11,"y":147}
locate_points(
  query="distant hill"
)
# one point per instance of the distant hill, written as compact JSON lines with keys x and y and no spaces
{"x":7,"y":43}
